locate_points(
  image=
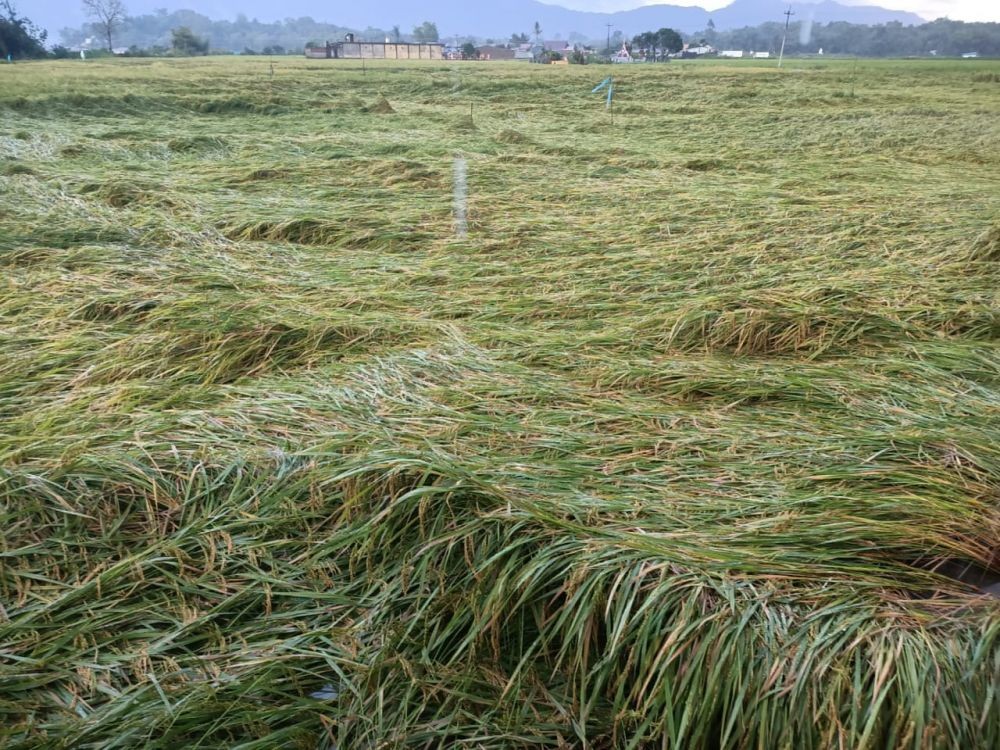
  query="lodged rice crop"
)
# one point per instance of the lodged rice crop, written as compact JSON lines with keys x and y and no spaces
{"x":692,"y":441}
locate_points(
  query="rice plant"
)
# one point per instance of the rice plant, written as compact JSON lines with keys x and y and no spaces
{"x":692,"y":440}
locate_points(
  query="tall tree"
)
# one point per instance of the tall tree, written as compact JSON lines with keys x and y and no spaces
{"x":19,"y":37}
{"x":108,"y":14}
{"x":710,"y":34}
{"x":650,"y":42}
{"x":186,"y":42}
{"x":538,"y":31}
{"x":641,"y":42}
{"x":426,"y":32}
{"x":669,"y":41}
{"x":396,"y":35}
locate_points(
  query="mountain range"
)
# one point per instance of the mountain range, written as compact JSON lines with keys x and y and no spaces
{"x":497,"y":18}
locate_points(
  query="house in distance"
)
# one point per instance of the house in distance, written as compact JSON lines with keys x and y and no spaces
{"x":349,"y":49}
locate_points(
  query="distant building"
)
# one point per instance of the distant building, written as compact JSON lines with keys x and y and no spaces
{"x":85,"y":46}
{"x":491,"y":52}
{"x":731,"y":53}
{"x":969,"y":55}
{"x":524,"y":52}
{"x":622,"y":55}
{"x":696,"y":50}
{"x":352,"y":50}
{"x":559,"y":46}
{"x":761,"y":55}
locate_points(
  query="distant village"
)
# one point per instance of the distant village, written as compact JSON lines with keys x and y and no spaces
{"x":552,"y":52}
{"x":562,"y":52}
{"x":169,"y":35}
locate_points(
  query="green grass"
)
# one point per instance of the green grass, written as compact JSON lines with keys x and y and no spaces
{"x":672,"y":450}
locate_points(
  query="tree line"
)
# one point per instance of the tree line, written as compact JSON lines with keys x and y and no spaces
{"x":154,"y":31}
{"x":188,"y":32}
{"x":657,"y":44}
{"x":944,"y":37}
{"x":19,"y":37}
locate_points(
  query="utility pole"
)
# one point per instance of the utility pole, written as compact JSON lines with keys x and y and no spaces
{"x":610,"y":26}
{"x":788,"y":17}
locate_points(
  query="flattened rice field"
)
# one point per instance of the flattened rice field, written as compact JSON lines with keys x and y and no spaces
{"x":693,"y":440}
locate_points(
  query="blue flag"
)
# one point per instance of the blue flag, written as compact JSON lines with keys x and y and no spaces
{"x":610,"y":83}
{"x":601,"y":85}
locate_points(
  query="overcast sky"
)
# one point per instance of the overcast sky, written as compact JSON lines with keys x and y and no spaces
{"x":958,"y":10}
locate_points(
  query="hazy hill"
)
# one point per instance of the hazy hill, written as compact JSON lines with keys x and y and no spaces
{"x":753,"y":12}
{"x":496,"y":18}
